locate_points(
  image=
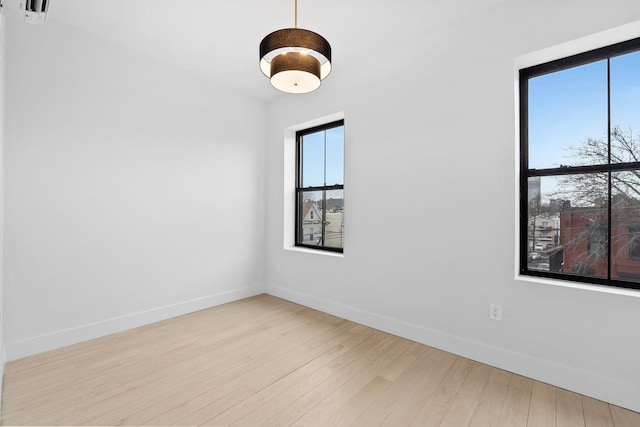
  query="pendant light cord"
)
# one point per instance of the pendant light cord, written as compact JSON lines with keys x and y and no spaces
{"x":295,"y":22}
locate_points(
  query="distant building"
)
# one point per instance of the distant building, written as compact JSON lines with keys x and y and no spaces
{"x":335,"y":205}
{"x":333,"y":223}
{"x":583,"y":235}
{"x":555,"y":205}
{"x":334,"y":229}
{"x":544,"y":230}
{"x":311,"y":223}
{"x":534,"y":195}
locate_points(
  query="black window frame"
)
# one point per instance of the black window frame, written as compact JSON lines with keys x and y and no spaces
{"x":525,"y":74}
{"x":300,"y":190}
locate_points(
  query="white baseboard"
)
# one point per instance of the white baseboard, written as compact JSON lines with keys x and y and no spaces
{"x":30,"y":346}
{"x":567,"y":377}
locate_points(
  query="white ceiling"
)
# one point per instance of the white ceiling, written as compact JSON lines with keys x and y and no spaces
{"x":219,"y":38}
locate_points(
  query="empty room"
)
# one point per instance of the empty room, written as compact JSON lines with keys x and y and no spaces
{"x":302,"y":212}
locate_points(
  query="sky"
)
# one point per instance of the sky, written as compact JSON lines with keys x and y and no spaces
{"x":570,"y":106}
{"x":567,"y":107}
{"x":315,"y":147}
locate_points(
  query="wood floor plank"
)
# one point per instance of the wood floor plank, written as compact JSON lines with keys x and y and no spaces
{"x":346,"y":414}
{"x":400,"y":390}
{"x":596,"y":413}
{"x":140,"y":375}
{"x":222,"y":376}
{"x":269,"y":371}
{"x":302,"y":396}
{"x":542,"y":410}
{"x":464,"y":405}
{"x":290,"y":407}
{"x":569,"y":412}
{"x":258,"y":306}
{"x":300,"y":379}
{"x":402,"y":363}
{"x":419,"y":392}
{"x":78,"y":387}
{"x":623,"y":417}
{"x":114,"y":383}
{"x":272,"y":351}
{"x":266,"y":361}
{"x":489,"y":408}
{"x":365,"y":398}
{"x":435,"y":408}
{"x":333,"y":401}
{"x":515,"y":411}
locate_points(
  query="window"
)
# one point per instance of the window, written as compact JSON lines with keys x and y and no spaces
{"x":320,"y":187}
{"x":580,"y":167}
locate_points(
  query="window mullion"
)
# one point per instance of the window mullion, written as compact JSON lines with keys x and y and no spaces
{"x":324,"y":187}
{"x":609,"y":204}
{"x":300,"y":162}
{"x":324,"y":160}
{"x":299,"y":184}
{"x":524,"y":168}
{"x":324,"y":216}
{"x":324,"y":192}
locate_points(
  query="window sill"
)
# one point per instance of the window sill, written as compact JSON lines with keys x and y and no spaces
{"x":576,"y":285}
{"x":314,"y":251}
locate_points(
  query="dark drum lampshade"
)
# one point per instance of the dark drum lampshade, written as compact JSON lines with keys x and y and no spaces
{"x":295,"y":60}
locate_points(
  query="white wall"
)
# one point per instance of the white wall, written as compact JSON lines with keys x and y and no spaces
{"x":431,"y":205}
{"x":133,"y":190}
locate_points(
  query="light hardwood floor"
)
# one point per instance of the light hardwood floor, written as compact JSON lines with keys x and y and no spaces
{"x":267,"y":361}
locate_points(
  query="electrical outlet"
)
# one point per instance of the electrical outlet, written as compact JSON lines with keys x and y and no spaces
{"x":495,"y":312}
{"x":277,"y":267}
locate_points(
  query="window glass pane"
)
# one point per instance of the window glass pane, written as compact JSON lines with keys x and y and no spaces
{"x":567,"y":117}
{"x":567,"y":225}
{"x":583,"y":223}
{"x":334,"y":219}
{"x":312,"y":160}
{"x":625,"y":108}
{"x":625,"y":226}
{"x":335,"y":156}
{"x":322,"y":218}
{"x":543,"y":234}
{"x":310,"y":214}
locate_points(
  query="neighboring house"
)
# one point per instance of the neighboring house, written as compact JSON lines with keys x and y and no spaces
{"x":544,"y":230}
{"x":583,"y":235}
{"x":333,"y":223}
{"x":311,"y":223}
{"x":334,"y":229}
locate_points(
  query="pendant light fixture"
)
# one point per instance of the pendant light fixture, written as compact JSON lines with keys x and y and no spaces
{"x":294,"y":59}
